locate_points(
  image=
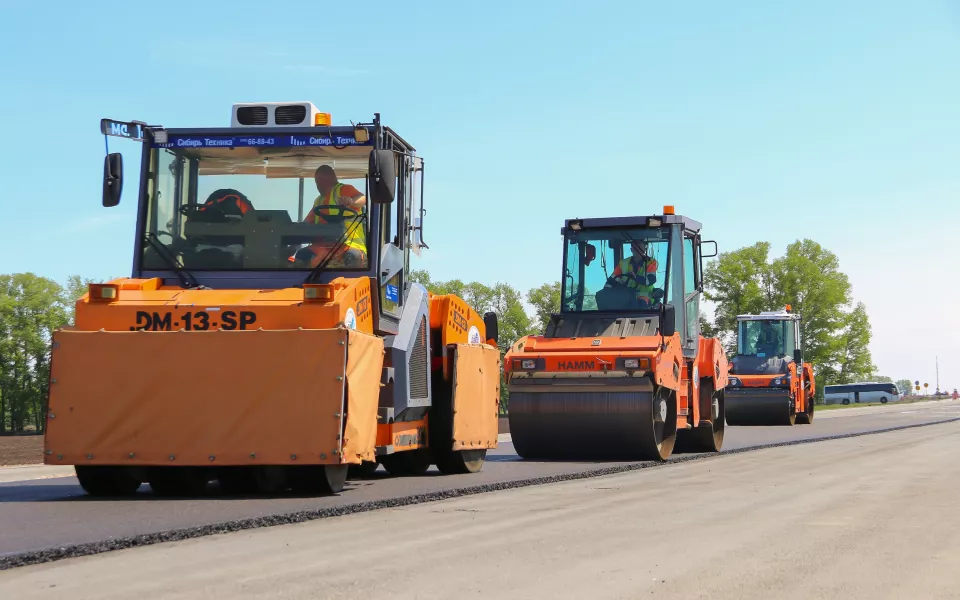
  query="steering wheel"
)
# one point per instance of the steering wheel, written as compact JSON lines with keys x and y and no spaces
{"x":318,"y":212}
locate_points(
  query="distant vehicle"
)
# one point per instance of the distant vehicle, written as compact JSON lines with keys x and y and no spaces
{"x":861,"y":393}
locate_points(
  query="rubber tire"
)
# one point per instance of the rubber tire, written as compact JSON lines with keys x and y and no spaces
{"x":364,"y":470}
{"x":237,"y":481}
{"x":461,"y":461}
{"x":179,"y":481}
{"x":883,"y":400}
{"x":108,"y":481}
{"x":270,"y":479}
{"x":806,"y":418}
{"x":407,"y":462}
{"x":318,"y":479}
{"x":705,"y":438}
{"x":845,"y":401}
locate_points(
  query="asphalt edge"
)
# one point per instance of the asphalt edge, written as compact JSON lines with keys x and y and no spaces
{"x":36,"y":557}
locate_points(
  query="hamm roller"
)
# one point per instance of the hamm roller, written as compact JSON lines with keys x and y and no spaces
{"x":769,"y":382}
{"x":621,"y":372}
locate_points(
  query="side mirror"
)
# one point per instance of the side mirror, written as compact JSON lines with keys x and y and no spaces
{"x":798,"y":357}
{"x":112,"y":179}
{"x":383,"y":176}
{"x":703,"y":246}
{"x":492,"y":326}
{"x":668,"y":322}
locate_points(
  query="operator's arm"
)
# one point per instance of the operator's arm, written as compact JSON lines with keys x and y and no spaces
{"x":651,"y":271}
{"x":310,"y":216}
{"x":350,"y":197}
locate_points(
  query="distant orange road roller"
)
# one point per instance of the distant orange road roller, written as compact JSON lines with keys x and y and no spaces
{"x":770,"y":384}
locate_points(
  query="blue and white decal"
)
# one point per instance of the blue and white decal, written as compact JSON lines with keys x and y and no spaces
{"x":392,"y":293}
{"x":350,"y":320}
{"x":132,"y":131}
{"x":474,"y":336}
{"x":258,"y":141}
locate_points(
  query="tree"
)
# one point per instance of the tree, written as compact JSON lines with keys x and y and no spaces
{"x":738,"y":282}
{"x":75,"y":289}
{"x":835,"y":334}
{"x":808,"y":278}
{"x":905,"y":385}
{"x":31,"y":308}
{"x":546,"y":301}
{"x":854,"y":356}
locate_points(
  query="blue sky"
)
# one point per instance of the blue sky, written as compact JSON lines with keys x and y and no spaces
{"x":773,"y":121}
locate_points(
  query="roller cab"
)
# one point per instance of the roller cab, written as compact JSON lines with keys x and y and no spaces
{"x":769,"y":382}
{"x":622,"y":370}
{"x":268,"y":337}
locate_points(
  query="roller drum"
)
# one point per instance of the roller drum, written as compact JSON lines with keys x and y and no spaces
{"x":759,"y":407}
{"x":571,"y":424}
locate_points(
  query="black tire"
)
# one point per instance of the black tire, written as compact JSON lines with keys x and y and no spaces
{"x":318,"y":479}
{"x":883,"y":400}
{"x":270,"y":479}
{"x":806,"y":417}
{"x":657,"y":432}
{"x":363,"y":470}
{"x":407,"y":462}
{"x":237,"y":481}
{"x":109,"y":481}
{"x":845,"y":401}
{"x":456,"y":462}
{"x":179,"y":481}
{"x":708,"y":437}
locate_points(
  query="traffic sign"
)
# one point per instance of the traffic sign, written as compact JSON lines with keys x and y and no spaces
{"x":918,"y":388}
{"x":917,"y":383}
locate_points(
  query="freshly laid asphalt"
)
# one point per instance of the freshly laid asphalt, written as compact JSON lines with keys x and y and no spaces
{"x":53,"y":518}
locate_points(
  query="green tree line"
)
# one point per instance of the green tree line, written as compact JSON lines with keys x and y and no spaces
{"x":31,"y":308}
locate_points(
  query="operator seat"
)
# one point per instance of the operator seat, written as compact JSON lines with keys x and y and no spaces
{"x":222,"y":206}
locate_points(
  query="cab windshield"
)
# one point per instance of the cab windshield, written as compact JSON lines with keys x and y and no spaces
{"x":615,"y":269}
{"x":766,"y":338}
{"x":252,"y":207}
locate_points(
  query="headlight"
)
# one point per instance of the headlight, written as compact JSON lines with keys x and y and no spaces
{"x":734,"y":381}
{"x":528,"y":364}
{"x":631,"y":363}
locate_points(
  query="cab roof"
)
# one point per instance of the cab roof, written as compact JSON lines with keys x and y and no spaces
{"x":770,"y":315}
{"x":637,"y":221}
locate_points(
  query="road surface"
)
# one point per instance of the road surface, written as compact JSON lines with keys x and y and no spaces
{"x":47,"y":515}
{"x":863,"y":517}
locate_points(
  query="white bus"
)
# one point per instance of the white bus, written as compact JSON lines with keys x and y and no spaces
{"x":861,"y":393}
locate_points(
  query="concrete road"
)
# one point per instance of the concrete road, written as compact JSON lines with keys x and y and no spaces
{"x":865,"y":517}
{"x":54,"y":513}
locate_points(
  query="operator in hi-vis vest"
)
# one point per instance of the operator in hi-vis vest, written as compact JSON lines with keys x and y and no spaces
{"x":638,"y":273}
{"x":341,"y":204}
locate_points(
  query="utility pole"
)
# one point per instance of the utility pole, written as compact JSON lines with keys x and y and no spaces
{"x":937,"y":359}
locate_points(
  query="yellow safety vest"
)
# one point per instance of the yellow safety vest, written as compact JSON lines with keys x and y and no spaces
{"x":633,"y":279}
{"x":357,"y":239}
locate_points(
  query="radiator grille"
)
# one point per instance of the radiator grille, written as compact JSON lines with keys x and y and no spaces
{"x":419,"y":362}
{"x":290,"y":115}
{"x":252,"y":115}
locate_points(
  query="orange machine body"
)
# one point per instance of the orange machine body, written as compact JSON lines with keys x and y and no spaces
{"x":802,"y":387}
{"x":660,"y":362}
